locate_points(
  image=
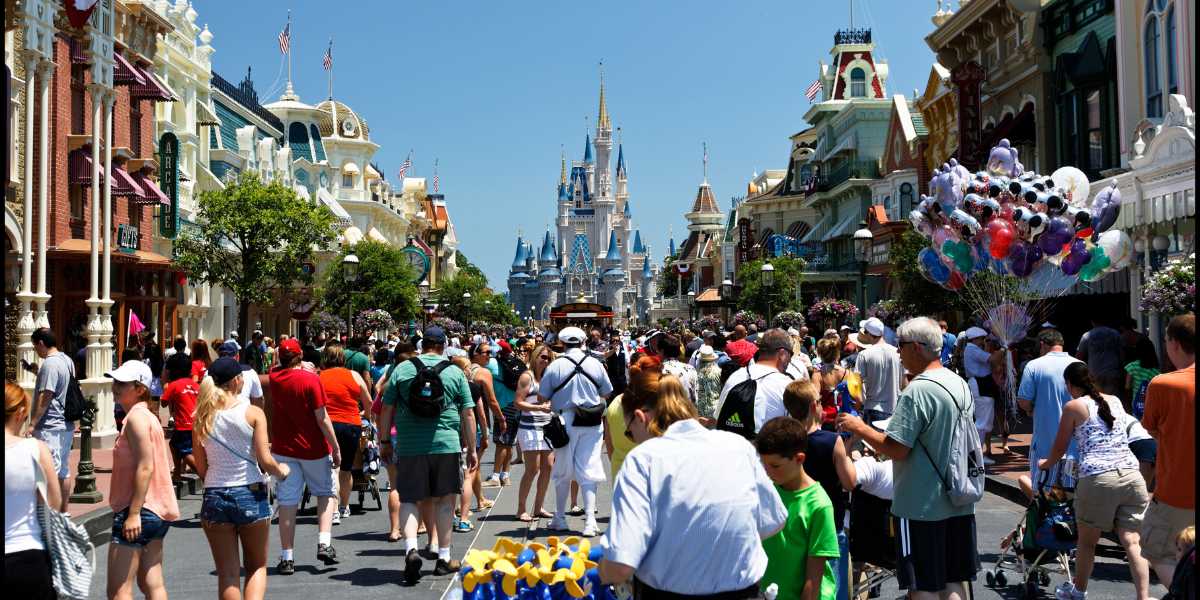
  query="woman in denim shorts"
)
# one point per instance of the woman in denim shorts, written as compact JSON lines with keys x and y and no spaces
{"x":143,"y":507}
{"x":231,"y":444}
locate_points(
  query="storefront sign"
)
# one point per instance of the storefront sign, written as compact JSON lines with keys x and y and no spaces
{"x":968,"y":78}
{"x":745,"y":240}
{"x":127,"y":238}
{"x":168,"y":179}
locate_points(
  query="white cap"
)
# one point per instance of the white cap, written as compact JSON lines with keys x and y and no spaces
{"x":571,"y":335}
{"x":853,"y":339}
{"x":233,"y":333}
{"x":976,"y":332}
{"x":132,"y":370}
{"x":872,"y":326}
{"x":793,"y":331}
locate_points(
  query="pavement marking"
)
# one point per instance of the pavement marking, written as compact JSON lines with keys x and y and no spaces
{"x":478,"y":530}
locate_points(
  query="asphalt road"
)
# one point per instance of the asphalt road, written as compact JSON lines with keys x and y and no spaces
{"x":370,"y":567}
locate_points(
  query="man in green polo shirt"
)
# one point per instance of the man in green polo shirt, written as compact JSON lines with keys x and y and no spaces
{"x":428,"y":449}
{"x":357,"y":360}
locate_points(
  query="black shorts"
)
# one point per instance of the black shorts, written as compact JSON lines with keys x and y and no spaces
{"x":511,"y":418}
{"x":347,"y":438}
{"x":1145,"y":450}
{"x":181,"y":442}
{"x":931,"y":554}
{"x":426,"y":476}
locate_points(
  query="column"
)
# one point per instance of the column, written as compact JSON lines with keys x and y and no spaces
{"x":25,"y":324}
{"x":105,"y":424}
{"x":95,"y":329}
{"x":45,"y":71}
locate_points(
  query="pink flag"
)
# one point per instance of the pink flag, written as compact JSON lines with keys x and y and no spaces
{"x":135,"y":324}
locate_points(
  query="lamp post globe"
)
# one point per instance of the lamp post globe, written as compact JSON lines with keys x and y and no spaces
{"x":863,"y":239}
{"x":350,"y":268}
{"x":767,"y":274}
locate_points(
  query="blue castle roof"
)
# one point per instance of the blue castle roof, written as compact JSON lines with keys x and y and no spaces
{"x":587,"y":148}
{"x":628,"y":212}
{"x":646,"y":267}
{"x":620,"y":160}
{"x":638,"y":247}
{"x":548,"y":255}
{"x":614,"y":249}
{"x":519,"y":259}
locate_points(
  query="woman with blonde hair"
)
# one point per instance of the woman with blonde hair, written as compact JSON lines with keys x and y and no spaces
{"x":538,"y":454}
{"x":26,"y":562}
{"x":141,"y":495}
{"x":690,"y":496}
{"x":230,"y":446}
{"x":828,"y":376}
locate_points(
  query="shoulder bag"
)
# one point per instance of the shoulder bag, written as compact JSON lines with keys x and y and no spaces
{"x":72,"y":557}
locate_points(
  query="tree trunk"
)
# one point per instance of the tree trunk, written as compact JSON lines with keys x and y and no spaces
{"x":243,"y":320}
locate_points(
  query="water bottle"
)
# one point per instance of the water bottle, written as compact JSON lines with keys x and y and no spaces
{"x":427,"y":390}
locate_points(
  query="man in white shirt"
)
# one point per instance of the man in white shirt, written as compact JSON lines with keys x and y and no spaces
{"x":251,"y":386}
{"x":576,"y":384}
{"x":768,"y":372}
{"x":882,"y":374}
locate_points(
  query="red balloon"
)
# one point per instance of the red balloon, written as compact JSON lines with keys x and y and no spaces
{"x":1084,"y":233}
{"x":955,"y":282}
{"x":1001,"y":233}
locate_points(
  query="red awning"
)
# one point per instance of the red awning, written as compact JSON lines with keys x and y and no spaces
{"x":152,"y":192}
{"x":124,"y":73}
{"x":78,"y":56}
{"x":153,"y":88}
{"x":124,"y":185}
{"x":420,"y":243}
{"x":79,"y":167}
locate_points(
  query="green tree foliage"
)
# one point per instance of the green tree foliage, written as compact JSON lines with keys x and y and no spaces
{"x":482,"y":305}
{"x":254,"y":240}
{"x":385,"y":281}
{"x":780,"y":296}
{"x":668,"y":280}
{"x":918,"y":295}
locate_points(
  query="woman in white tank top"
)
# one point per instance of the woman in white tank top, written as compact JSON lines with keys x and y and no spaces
{"x":230,"y":447}
{"x":26,"y":563}
{"x":539,"y":455}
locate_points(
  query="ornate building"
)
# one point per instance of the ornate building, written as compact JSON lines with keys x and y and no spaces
{"x":589,"y":256}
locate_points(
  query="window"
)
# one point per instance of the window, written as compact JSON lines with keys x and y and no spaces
{"x":1070,"y":128}
{"x":1095,"y":133}
{"x":906,"y":199}
{"x":858,"y":83}
{"x":78,"y":101}
{"x":77,"y":198}
{"x":1172,"y":77}
{"x":135,"y":127}
{"x":1153,"y":84}
{"x":347,"y":180}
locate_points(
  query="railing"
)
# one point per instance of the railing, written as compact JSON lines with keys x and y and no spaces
{"x":854,"y":169}
{"x":243,"y":98}
{"x":852,"y":36}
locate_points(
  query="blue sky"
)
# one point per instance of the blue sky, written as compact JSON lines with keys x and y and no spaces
{"x":493,"y":90}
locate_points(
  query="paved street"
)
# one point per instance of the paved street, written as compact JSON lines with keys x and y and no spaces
{"x":370,"y":567}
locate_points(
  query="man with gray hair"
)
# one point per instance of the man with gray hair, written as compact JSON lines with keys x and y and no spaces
{"x":936,"y":538}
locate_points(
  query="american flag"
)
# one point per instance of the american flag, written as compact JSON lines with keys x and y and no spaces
{"x":329,"y":57}
{"x":285,"y":38}
{"x":405,"y":166}
{"x":813,"y":90}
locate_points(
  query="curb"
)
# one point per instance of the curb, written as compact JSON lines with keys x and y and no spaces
{"x":1006,"y":488}
{"x":98,"y":524}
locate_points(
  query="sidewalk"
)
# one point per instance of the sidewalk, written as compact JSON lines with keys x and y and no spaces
{"x":96,"y":518}
{"x":1002,"y":476}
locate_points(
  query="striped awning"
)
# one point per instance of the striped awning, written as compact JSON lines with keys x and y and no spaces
{"x":152,"y":194}
{"x":79,"y":167}
{"x":78,"y":55}
{"x":765,"y":235}
{"x":798,"y":229}
{"x":815,"y":234}
{"x":125,"y":73}
{"x":123,"y":184}
{"x":153,"y":88}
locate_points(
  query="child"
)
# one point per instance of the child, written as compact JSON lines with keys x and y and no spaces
{"x":1184,"y":583}
{"x":797,"y":555}
{"x":181,"y":395}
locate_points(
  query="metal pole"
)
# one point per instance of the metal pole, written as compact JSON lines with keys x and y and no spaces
{"x":85,"y":491}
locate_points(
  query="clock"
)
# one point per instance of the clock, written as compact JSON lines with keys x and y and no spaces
{"x":418,"y":260}
{"x":348,"y":126}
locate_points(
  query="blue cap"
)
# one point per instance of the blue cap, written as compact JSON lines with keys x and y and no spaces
{"x":435,"y":335}
{"x":224,"y":369}
{"x":229,"y":348}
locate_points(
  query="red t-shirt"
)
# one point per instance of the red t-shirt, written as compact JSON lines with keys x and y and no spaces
{"x":295,"y":394}
{"x":181,"y":396}
{"x":199,"y":370}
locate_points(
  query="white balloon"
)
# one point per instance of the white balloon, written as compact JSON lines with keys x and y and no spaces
{"x":1075,"y":183}
{"x":1117,"y":247}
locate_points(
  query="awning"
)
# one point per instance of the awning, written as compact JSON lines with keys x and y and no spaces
{"x":77,"y":248}
{"x":765,"y":235}
{"x":329,"y":201}
{"x":205,"y":115}
{"x":78,"y":55}
{"x":374,"y":234}
{"x":1017,"y":128}
{"x":153,"y":88}
{"x":124,"y":185}
{"x":850,"y":143}
{"x":420,"y":243}
{"x":1153,"y":210}
{"x":124,"y":73}
{"x":814,"y":234}
{"x":711,"y":294}
{"x":371,"y":172}
{"x":798,"y":229}
{"x":79,"y":167}
{"x":842,"y":228}
{"x":153,"y":194}
{"x":350,"y":167}
{"x":351,"y":236}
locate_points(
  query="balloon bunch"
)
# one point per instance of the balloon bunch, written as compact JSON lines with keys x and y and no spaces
{"x":1016,"y":222}
{"x":559,"y":570}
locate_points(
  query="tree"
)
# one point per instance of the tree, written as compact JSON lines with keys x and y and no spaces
{"x":917,"y":295}
{"x":385,"y":282}
{"x":254,"y":240}
{"x":780,"y":295}
{"x":668,"y":280}
{"x":482,"y":305}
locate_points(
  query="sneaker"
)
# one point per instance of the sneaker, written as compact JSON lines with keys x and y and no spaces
{"x":326,"y":554}
{"x":504,"y":480}
{"x":345,"y":511}
{"x":427,"y":554}
{"x":589,"y":530}
{"x":576,"y":511}
{"x":412,"y":567}
{"x":337,"y":517}
{"x":285,"y":567}
{"x":1067,"y":591}
{"x":447,"y":567}
{"x":493,"y":481}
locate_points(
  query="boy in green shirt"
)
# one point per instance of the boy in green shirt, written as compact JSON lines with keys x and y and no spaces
{"x":797,"y":555}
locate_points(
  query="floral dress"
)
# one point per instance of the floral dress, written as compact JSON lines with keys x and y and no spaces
{"x":709,"y":383}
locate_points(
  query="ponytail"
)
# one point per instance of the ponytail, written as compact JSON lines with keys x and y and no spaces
{"x":211,"y":399}
{"x":1078,"y":375}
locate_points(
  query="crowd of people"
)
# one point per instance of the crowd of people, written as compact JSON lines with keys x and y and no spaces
{"x":744,"y":462}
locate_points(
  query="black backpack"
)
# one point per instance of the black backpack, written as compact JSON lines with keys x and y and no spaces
{"x":737,"y":413}
{"x":511,"y":369}
{"x":426,"y":394}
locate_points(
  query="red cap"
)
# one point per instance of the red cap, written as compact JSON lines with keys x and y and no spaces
{"x":505,"y":346}
{"x":290,"y":346}
{"x":741,"y":351}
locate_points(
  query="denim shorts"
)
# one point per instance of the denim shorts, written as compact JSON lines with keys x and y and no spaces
{"x":239,"y":505}
{"x":153,"y":528}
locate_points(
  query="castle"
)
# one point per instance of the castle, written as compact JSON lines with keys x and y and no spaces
{"x":589,"y":255}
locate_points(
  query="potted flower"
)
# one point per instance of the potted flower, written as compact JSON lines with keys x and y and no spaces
{"x":788,"y":319}
{"x":707,"y":322}
{"x":448,"y":325}
{"x":890,"y":311}
{"x":1172,"y":290}
{"x":746,"y":318}
{"x":324,"y":322}
{"x":831,"y":312}
{"x":373,"y":321}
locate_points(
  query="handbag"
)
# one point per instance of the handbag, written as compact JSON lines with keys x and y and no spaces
{"x":72,"y":556}
{"x":555,"y":432}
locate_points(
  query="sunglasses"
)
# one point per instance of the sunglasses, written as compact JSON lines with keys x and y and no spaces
{"x":628,"y":432}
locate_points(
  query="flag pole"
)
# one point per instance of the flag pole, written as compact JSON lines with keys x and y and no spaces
{"x":290,"y":91}
{"x":330,"y":52}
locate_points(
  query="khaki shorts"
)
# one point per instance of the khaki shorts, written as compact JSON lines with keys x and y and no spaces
{"x":1111,"y":499}
{"x":1160,"y":526}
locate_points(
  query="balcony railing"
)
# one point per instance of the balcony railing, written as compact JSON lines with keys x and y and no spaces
{"x":854,"y":169}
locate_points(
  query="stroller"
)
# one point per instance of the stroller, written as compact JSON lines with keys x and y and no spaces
{"x":872,"y":543}
{"x":366,"y":468}
{"x":1042,"y":542}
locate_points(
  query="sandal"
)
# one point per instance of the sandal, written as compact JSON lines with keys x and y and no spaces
{"x":545,"y":514}
{"x":484,"y":505}
{"x":524,"y":518}
{"x":392,"y":539}
{"x":421,"y":530}
{"x":463,"y":526}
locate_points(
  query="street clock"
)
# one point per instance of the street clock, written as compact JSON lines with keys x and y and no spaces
{"x":418,"y":260}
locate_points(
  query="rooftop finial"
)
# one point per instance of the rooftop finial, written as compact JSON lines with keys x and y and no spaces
{"x":562,"y":155}
{"x":705,"y":163}
{"x":603,"y":121}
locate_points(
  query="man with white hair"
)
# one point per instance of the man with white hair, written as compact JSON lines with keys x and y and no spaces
{"x":937,"y":545}
{"x":576,"y":385}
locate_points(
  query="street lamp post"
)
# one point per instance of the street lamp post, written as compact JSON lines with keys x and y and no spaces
{"x":350,"y":277}
{"x":423,"y":290}
{"x":692,"y":304}
{"x":727,"y":297}
{"x":767,"y":278}
{"x":862,"y":249}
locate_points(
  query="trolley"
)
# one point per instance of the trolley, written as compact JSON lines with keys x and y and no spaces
{"x":1041,"y":543}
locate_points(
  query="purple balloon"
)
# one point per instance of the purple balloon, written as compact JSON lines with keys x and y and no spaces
{"x":1023,"y":258}
{"x":1049,"y":243}
{"x":1105,"y":209}
{"x":1076,"y":258}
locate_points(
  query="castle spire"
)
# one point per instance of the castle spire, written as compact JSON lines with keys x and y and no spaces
{"x":603,"y":121}
{"x":620,"y":155}
{"x":587,"y":147}
{"x":562,"y":175}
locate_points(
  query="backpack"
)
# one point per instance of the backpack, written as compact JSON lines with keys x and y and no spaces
{"x":74,"y":404}
{"x":426,"y":393}
{"x":1139,"y":399}
{"x":511,"y":369}
{"x":964,"y":476}
{"x":737,"y":412}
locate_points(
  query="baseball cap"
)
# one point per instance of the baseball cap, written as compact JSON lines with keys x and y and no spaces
{"x":741,"y":351}
{"x":571,"y":335}
{"x":853,"y":339}
{"x":233,"y":333}
{"x":872,"y":326}
{"x":227,"y":349}
{"x":224,"y":369}
{"x":435,"y":335}
{"x":652,"y":333}
{"x":505,"y":346}
{"x":290,"y":346}
{"x":844,"y":328}
{"x":132,"y":371}
{"x":976,"y":332}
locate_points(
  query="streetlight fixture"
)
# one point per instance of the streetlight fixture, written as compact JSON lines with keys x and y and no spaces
{"x":863,"y":240}
{"x":350,"y":277}
{"x":766,"y":275}
{"x":727,"y":296}
{"x":692,"y":304}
